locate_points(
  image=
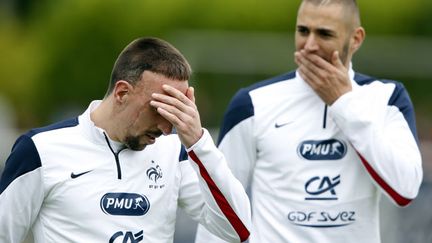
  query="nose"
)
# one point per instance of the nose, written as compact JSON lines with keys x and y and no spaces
{"x":311,"y":44}
{"x":165,"y":126}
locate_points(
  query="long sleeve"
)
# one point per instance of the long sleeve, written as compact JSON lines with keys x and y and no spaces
{"x":21,"y":191}
{"x":237,"y":144}
{"x":378,"y":120}
{"x":216,"y":199}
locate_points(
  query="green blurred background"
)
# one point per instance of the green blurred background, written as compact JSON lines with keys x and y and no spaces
{"x":57,"y":55}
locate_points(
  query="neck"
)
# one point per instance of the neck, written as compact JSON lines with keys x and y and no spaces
{"x":103,"y":117}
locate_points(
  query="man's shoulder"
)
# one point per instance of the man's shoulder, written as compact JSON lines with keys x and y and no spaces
{"x":241,"y":106}
{"x":72,"y":122}
{"x":49,"y":136}
{"x":273,"y":80}
{"x":398,"y":89}
{"x":242,"y":97}
{"x":363,"y":79}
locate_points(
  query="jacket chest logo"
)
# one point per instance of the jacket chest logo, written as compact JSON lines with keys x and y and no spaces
{"x":125,"y":204}
{"x":154,"y":174}
{"x":330,"y":149}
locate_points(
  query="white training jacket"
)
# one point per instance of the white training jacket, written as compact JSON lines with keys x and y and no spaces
{"x":315,"y":172}
{"x":68,"y":182}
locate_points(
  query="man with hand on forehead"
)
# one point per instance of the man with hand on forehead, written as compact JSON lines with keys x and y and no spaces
{"x":109,"y":176}
{"x":318,"y":147}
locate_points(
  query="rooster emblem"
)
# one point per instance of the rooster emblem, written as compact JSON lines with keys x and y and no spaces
{"x":154,"y":173}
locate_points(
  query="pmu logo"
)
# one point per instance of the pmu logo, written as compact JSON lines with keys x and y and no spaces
{"x":322,"y":188}
{"x":127,"y":237}
{"x":331,"y":149}
{"x":126,"y":204}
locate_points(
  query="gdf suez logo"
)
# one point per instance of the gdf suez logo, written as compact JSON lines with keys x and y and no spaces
{"x":127,"y":237}
{"x":126,"y":204}
{"x":322,"y":219}
{"x":322,"y":188}
{"x":330,"y":149}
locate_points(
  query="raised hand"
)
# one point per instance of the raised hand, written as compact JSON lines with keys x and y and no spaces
{"x":329,"y":80}
{"x":181,"y":111}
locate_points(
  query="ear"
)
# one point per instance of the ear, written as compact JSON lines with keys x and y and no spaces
{"x":357,"y":38}
{"x":122,"y":91}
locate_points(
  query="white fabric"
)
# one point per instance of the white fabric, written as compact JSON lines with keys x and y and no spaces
{"x":305,"y":193}
{"x":152,"y":185}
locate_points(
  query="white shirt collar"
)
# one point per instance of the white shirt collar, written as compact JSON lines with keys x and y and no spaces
{"x":94,"y":133}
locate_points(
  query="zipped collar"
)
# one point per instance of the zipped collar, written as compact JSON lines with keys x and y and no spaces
{"x":92,"y":132}
{"x":351,"y":74}
{"x":99,"y":136}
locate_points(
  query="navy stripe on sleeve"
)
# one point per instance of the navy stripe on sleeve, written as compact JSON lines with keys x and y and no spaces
{"x":24,"y":158}
{"x":241,"y":107}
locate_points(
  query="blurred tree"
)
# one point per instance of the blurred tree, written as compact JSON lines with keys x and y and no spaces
{"x":57,"y":55}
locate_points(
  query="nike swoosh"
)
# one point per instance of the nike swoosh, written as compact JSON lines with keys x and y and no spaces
{"x":278,"y":125}
{"x":73,"y":175}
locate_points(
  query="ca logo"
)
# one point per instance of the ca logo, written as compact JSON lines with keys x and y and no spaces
{"x":127,"y":237}
{"x":322,"y":188}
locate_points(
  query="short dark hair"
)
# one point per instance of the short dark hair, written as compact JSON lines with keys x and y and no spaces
{"x":346,"y":2}
{"x":150,"y":54}
{"x":351,"y":5}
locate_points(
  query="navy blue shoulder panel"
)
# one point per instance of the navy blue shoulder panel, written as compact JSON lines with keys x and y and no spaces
{"x":183,"y":154}
{"x":282,"y":77}
{"x":25,"y":157}
{"x":362,"y":79}
{"x":62,"y":124}
{"x":241,"y":107}
{"x":400,"y":98}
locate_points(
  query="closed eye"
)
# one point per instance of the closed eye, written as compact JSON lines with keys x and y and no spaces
{"x":325,"y":33}
{"x":303,"y":30}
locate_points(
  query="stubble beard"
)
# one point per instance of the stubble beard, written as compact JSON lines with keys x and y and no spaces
{"x":344,"y":55}
{"x":133,"y":143}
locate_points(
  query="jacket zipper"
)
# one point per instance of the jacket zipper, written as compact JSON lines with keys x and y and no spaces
{"x":325,"y":117}
{"x":116,"y":156}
